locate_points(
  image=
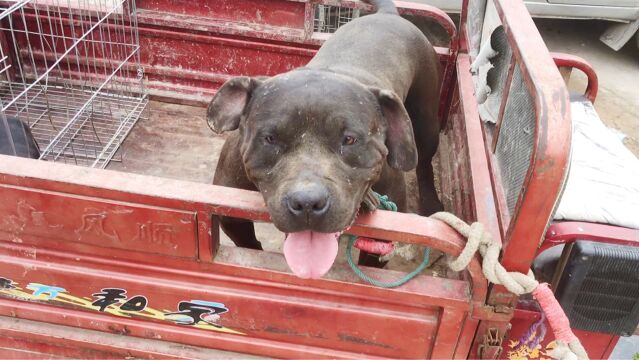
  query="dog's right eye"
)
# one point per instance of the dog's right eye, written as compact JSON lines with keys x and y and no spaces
{"x":269,"y":139}
{"x":349,"y":140}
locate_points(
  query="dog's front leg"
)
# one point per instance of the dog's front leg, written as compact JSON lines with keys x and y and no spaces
{"x":240,"y":231}
{"x":230,"y":172}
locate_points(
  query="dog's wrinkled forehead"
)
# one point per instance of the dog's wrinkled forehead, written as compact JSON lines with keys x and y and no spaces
{"x":312,"y":97}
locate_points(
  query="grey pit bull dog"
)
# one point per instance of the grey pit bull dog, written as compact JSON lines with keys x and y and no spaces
{"x":316,"y":139}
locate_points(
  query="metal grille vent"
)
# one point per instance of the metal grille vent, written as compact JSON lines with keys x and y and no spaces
{"x":516,"y":139}
{"x":599,"y":288}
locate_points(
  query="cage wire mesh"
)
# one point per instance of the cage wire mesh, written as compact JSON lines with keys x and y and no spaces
{"x":330,"y":18}
{"x":70,"y":70}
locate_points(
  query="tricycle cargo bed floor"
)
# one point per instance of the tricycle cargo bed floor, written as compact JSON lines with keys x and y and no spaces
{"x":172,"y":141}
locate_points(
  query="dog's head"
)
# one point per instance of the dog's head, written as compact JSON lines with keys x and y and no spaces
{"x":313,"y":142}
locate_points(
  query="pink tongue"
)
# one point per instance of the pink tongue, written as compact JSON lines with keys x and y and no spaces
{"x":310,"y":254}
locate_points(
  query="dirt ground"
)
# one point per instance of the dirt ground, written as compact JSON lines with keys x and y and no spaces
{"x":618,"y":99}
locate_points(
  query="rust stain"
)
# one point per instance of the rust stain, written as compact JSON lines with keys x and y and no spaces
{"x":274,"y":330}
{"x":361,"y":341}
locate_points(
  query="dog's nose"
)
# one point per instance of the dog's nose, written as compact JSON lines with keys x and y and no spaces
{"x":311,"y":202}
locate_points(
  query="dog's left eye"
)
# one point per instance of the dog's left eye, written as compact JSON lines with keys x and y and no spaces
{"x":349,"y":140}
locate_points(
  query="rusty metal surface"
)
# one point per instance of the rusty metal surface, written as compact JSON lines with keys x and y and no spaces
{"x":569,"y":231}
{"x":570,"y":62}
{"x":598,"y":345}
{"x":301,"y":313}
{"x":553,"y":131}
{"x":524,"y":226}
{"x":42,"y":340}
{"x":187,"y":50}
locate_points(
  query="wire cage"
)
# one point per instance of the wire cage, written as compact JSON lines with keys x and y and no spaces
{"x":70,"y":71}
{"x":330,"y":18}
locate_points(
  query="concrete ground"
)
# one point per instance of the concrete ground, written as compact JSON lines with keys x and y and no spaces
{"x":618,"y":99}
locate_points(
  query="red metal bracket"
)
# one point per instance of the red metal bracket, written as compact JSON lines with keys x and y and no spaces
{"x":572,"y":61}
{"x":570,"y":231}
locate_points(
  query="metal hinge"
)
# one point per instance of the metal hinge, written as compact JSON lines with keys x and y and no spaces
{"x":503,"y":309}
{"x":490,"y":347}
{"x":493,"y":313}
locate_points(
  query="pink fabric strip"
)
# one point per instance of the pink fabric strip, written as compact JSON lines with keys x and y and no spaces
{"x":373,"y":246}
{"x":554,"y":313}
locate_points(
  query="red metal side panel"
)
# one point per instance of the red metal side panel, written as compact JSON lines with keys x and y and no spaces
{"x":549,"y":162}
{"x":200,"y":306}
{"x":94,"y":287}
{"x":33,"y":348}
{"x":69,"y":218}
{"x":26,"y":339}
{"x":230,"y":306}
{"x":202,"y":63}
{"x":597,"y":345}
{"x":283,"y":13}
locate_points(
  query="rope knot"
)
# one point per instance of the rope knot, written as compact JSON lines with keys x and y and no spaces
{"x":480,"y":240}
{"x":568,"y":345}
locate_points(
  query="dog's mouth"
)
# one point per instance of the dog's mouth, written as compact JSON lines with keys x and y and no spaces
{"x":310,"y":254}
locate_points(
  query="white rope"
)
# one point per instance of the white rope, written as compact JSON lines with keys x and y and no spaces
{"x":568,"y":351}
{"x":515,"y":282}
{"x":478,"y":239}
{"x":403,"y":250}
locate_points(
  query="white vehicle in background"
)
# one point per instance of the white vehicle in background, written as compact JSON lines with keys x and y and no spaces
{"x":624,"y":12}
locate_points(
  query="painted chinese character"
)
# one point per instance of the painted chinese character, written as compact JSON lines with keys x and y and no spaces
{"x":39,"y":289}
{"x":93,"y":225}
{"x":108,"y":296}
{"x":136,"y":303}
{"x":194,"y":311}
{"x":26,"y":216}
{"x":156,"y":233}
{"x":145,"y":232}
{"x":162,"y":233}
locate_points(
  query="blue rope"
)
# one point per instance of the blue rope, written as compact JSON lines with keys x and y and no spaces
{"x":386,"y":204}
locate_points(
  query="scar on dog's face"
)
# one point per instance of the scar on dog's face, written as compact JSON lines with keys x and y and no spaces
{"x":313,"y":142}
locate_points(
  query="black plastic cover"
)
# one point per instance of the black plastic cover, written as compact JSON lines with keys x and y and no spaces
{"x":599,"y":288}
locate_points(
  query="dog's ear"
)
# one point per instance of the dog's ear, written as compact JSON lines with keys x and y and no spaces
{"x":400,"y":141}
{"x":229,"y":103}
